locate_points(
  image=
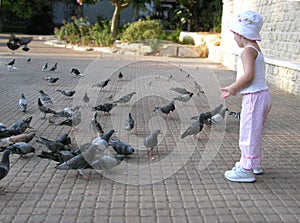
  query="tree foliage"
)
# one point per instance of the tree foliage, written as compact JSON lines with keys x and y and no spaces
{"x":23,"y":8}
{"x":200,"y":15}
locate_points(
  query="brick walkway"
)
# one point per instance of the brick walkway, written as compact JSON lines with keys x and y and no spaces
{"x":184,"y":183}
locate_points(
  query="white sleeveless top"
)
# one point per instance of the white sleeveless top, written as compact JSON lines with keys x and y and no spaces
{"x":259,"y":82}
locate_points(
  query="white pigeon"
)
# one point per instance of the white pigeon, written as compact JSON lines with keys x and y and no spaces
{"x":23,"y":103}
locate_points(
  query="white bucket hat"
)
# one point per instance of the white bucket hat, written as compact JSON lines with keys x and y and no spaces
{"x":248,"y":24}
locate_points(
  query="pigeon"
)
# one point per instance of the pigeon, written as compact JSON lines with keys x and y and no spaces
{"x":129,"y":125}
{"x":23,"y":41}
{"x":51,"y":80}
{"x":66,"y":113}
{"x":167,"y":109}
{"x":102,"y":141}
{"x":198,"y":88}
{"x":4,"y":132}
{"x":52,"y":145}
{"x":20,"y":126}
{"x":23,"y":103}
{"x":120,"y":76}
{"x":21,"y":148}
{"x":67,"y":93}
{"x":44,"y":67}
{"x":13,"y":46}
{"x":54,"y":68}
{"x":106,"y":107}
{"x":219,"y":117}
{"x":236,"y":115}
{"x":96,"y":126}
{"x":107,"y":162}
{"x":209,"y":114}
{"x":86,"y":98}
{"x":4,"y":165}
{"x":64,"y":139}
{"x":195,"y":127}
{"x":45,"y":97}
{"x":170,"y":77}
{"x":102,"y":84}
{"x":125,"y":99}
{"x":121,"y":147}
{"x":76,"y":72}
{"x":25,"y":48}
{"x":11,"y":63}
{"x":28,"y":59}
{"x":57,"y":156}
{"x":24,"y":137}
{"x":151,"y":142}
{"x":72,"y":121}
{"x":44,"y":109}
{"x":14,"y":43}
{"x":79,"y":162}
{"x":184,"y":97}
{"x":180,"y":90}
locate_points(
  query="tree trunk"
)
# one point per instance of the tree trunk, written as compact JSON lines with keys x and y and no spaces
{"x":119,"y":6}
{"x":115,"y":21}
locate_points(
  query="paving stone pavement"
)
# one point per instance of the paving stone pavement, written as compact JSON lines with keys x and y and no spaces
{"x":184,"y":183}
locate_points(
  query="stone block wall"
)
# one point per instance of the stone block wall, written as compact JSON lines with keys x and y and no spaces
{"x":280,"y":40}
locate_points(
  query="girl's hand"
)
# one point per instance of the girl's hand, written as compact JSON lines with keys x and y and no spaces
{"x":227,"y":91}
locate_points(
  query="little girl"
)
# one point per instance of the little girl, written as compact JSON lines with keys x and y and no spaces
{"x":256,"y":98}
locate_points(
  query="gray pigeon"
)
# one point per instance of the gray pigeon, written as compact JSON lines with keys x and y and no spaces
{"x":51,"y":80}
{"x":79,"y":162}
{"x":129,"y":124}
{"x":96,"y":126}
{"x":66,"y":113}
{"x":125,"y":99}
{"x":102,"y":141}
{"x":23,"y":103}
{"x":236,"y":115}
{"x":44,"y":109}
{"x":167,"y":109}
{"x":106,"y":107}
{"x":57,"y":156}
{"x":107,"y":162}
{"x":151,"y":142}
{"x":52,"y":145}
{"x":180,"y":90}
{"x":20,"y":126}
{"x":184,"y":97}
{"x":209,"y":114}
{"x":102,"y":84}
{"x":64,"y":139}
{"x":4,"y":132}
{"x":86,"y":98}
{"x":54,"y":68}
{"x":45,"y":97}
{"x":44,"y":67}
{"x":219,"y":117}
{"x":72,"y":121}
{"x":67,"y":93}
{"x":4,"y":166}
{"x":121,"y":147}
{"x":195,"y":127}
{"x":21,"y":148}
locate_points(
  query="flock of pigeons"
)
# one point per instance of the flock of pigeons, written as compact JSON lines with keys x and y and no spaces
{"x":94,"y":154}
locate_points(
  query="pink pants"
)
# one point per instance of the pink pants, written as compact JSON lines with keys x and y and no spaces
{"x":255,"y":110}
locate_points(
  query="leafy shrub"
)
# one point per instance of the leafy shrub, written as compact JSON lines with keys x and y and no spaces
{"x":187,"y":40}
{"x":80,"y":31}
{"x":141,"y":30}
